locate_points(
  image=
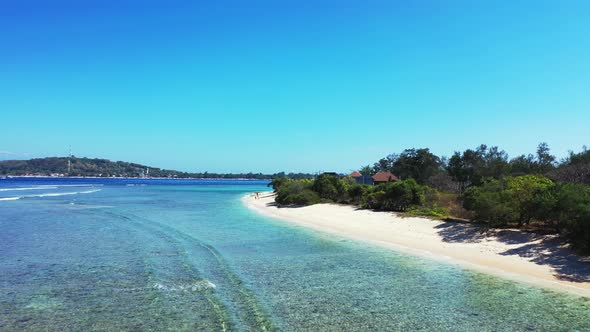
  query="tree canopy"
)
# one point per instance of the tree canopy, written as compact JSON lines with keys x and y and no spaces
{"x":481,"y":184}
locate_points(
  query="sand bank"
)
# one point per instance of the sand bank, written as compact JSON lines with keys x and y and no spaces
{"x":526,"y":257}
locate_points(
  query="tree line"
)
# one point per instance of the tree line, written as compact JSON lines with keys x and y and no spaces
{"x":534,"y":191}
{"x":96,"y":167}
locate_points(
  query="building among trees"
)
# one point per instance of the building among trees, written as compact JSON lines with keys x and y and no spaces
{"x":384,"y":177}
{"x":362,"y":178}
{"x":380,"y":177}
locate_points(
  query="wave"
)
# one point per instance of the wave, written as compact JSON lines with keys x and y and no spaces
{"x":29,"y":188}
{"x":90,"y":191}
{"x":49,"y":186}
{"x":76,"y":185}
{"x":10,"y":198}
{"x":50,"y":195}
{"x":65,"y":194}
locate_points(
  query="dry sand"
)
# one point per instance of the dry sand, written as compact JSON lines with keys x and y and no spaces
{"x":536,"y":259}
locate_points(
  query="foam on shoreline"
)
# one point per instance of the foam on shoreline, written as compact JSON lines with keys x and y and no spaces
{"x":510,"y":254}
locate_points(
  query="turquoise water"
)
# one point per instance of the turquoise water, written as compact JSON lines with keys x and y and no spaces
{"x":185,"y":256}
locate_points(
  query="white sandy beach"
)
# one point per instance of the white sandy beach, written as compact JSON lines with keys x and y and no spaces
{"x":526,"y":257}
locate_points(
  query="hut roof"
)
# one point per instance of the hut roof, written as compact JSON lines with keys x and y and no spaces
{"x":384,"y":177}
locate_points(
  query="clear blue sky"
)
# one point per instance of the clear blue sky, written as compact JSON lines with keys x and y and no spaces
{"x":228,"y":86}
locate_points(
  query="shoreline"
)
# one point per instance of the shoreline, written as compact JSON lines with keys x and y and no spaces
{"x":539,"y":260}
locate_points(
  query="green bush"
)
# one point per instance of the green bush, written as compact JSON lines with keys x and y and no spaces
{"x":305,"y":197}
{"x":571,"y":214}
{"x":276,"y":183}
{"x":491,"y":203}
{"x":532,"y":196}
{"x":330,"y":187}
{"x":511,"y":200}
{"x":395,"y":196}
{"x":373,"y":200}
{"x":401,"y":195}
{"x":356,"y":192}
{"x":296,"y":192}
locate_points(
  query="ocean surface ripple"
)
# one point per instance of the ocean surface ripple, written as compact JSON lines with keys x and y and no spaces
{"x":186,"y":256}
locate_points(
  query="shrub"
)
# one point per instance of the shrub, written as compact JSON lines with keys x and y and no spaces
{"x":532,"y":196}
{"x":325,"y":186}
{"x":276,"y":183}
{"x":356,"y":192}
{"x":373,"y":200}
{"x":395,"y":196}
{"x":490,"y":203}
{"x":401,"y":195}
{"x":291,"y":191}
{"x":305,"y":197}
{"x":513,"y":199}
{"x":331,"y":187}
{"x":571,"y":214}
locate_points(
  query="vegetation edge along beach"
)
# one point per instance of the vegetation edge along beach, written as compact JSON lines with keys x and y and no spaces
{"x":542,"y":203}
{"x":503,"y":253}
{"x":530,"y":192}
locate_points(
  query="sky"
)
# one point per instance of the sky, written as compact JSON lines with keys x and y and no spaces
{"x":269,"y":86}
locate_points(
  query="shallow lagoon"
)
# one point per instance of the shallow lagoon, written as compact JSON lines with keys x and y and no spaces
{"x":188,"y":256}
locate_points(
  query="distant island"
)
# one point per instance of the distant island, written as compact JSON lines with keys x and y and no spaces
{"x":95,"y":167}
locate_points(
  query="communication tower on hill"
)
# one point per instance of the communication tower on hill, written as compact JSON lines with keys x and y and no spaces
{"x":70,"y":161}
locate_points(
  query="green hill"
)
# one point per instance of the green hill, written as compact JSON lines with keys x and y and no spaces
{"x":82,"y":167}
{"x":101,"y":168}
